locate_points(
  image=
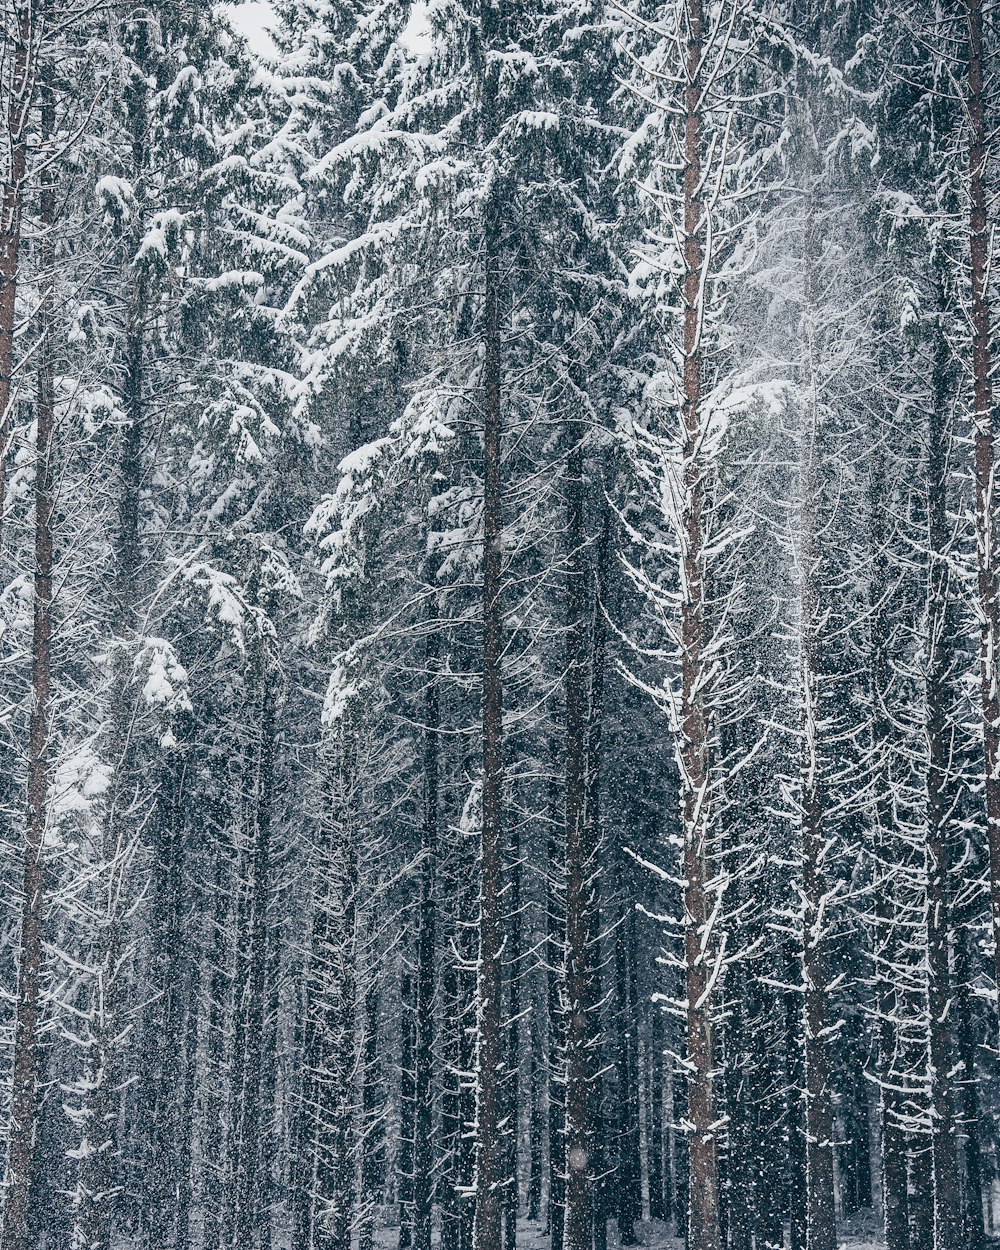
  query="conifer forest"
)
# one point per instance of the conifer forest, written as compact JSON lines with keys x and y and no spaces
{"x":500,"y":624}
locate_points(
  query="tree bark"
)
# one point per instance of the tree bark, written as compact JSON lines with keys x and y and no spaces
{"x":821,"y":1230}
{"x":887,"y":858}
{"x":512,"y":1061}
{"x":940,"y":630}
{"x":423,"y":1188}
{"x":555,"y":946}
{"x":24,"y":1073}
{"x":249,"y":1161}
{"x":984,"y":459}
{"x":23,"y":59}
{"x":580,"y":869}
{"x":488,"y":1228}
{"x":703,"y":1189}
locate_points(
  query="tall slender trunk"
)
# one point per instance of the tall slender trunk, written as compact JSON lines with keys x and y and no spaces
{"x":512,"y":1061}
{"x":488,"y":1229}
{"x":407,"y":1110}
{"x":165,"y":1168}
{"x":556,"y":1008}
{"x":213,"y":1097}
{"x":458,"y":995}
{"x":248,"y":1163}
{"x":423,"y":1190}
{"x":940,"y":629}
{"x":536,"y":1132}
{"x":887,"y":853}
{"x":703,"y":1190}
{"x":580,"y":870}
{"x":821,"y":1230}
{"x":24,"y":1074}
{"x":99,"y":1178}
{"x":660,"y":1197}
{"x":372,"y":1114}
{"x":338,"y":1218}
{"x":23,"y":60}
{"x":967,"y":1047}
{"x":984,"y":461}
{"x":628,"y":1186}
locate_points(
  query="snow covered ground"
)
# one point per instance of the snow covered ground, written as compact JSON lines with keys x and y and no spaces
{"x":652,"y":1236}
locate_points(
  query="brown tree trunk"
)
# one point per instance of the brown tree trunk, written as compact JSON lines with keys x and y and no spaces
{"x":984,"y":456}
{"x":24,"y":1076}
{"x":703,"y":1200}
{"x":23,"y":76}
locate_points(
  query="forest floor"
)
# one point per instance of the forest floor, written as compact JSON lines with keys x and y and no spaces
{"x":653,"y":1235}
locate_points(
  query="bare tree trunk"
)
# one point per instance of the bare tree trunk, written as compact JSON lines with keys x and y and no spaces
{"x":970,"y":1106}
{"x":373,"y":1122}
{"x":659,"y":1161}
{"x":555,"y":945}
{"x":940,"y":629}
{"x":338,"y":1219}
{"x":887,"y":851}
{"x":795,"y":1110}
{"x":259,"y":783}
{"x":628,"y":1182}
{"x":488,"y":1228}
{"x":988,"y":583}
{"x":703,"y":1190}
{"x":535,"y":1124}
{"x":512,"y":1062}
{"x":23,"y":58}
{"x":99,"y":1179}
{"x":423,"y":1092}
{"x":24,"y":1075}
{"x":821,"y":1229}
{"x":407,"y":1105}
{"x":580,"y":869}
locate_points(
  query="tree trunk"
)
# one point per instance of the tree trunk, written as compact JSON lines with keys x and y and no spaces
{"x":372,"y":1113}
{"x":555,"y":947}
{"x":536,"y":1131}
{"x":488,"y":1229}
{"x":23,"y":77}
{"x":423,"y":1160}
{"x":940,"y":630}
{"x":821,"y":1231}
{"x":967,"y":1045}
{"x":988,"y":584}
{"x":703,"y":1189}
{"x":512,"y":1062}
{"x":887,"y":858}
{"x":99,"y":1179}
{"x":24,"y":1071}
{"x":580,"y":870}
{"x":659,"y":1163}
{"x":407,"y":1109}
{"x":794,"y":1111}
{"x":259,"y":784}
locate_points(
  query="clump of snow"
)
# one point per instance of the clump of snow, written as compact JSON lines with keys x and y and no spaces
{"x":417,"y":37}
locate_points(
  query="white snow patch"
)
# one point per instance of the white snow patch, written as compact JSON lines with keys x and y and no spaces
{"x":253,"y":19}
{"x":417,"y":37}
